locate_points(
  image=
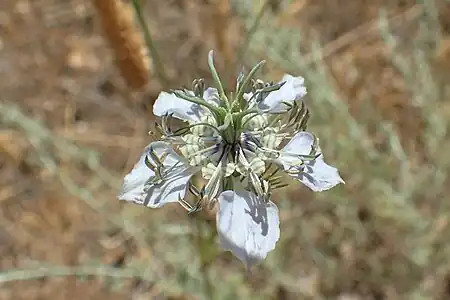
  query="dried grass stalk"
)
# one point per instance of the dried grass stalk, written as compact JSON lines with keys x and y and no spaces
{"x":222,"y":19}
{"x":125,"y":40}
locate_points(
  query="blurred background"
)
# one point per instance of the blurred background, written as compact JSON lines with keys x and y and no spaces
{"x":77,"y":88}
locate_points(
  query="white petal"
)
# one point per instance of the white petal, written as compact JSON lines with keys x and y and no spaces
{"x":317,"y":174}
{"x":156,"y":195}
{"x":211,"y":95}
{"x":291,"y":91}
{"x":247,"y":96}
{"x":133,"y":183}
{"x":184,"y":110}
{"x":300,"y":144}
{"x":247,"y":226}
{"x":169,"y":191}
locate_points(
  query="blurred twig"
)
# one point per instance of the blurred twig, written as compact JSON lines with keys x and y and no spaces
{"x":58,"y":271}
{"x":157,"y":63}
{"x":251,"y":31}
{"x":362,"y":31}
{"x":107,"y":140}
{"x":41,"y":138}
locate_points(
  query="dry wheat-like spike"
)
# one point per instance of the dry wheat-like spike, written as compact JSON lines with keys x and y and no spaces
{"x":222,"y":17}
{"x":125,"y":40}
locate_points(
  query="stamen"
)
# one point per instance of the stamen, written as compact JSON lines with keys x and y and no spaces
{"x":197,"y":206}
{"x":274,"y":172}
{"x":273,"y":180}
{"x":279,"y":186}
{"x":212,"y":149}
{"x":303,"y":157}
{"x":175,"y":140}
{"x":194,"y":190}
{"x":256,"y":184}
{"x":250,"y":143}
{"x":159,"y":161}
{"x":254,"y":181}
{"x":304,"y":123}
{"x":186,"y":205}
{"x":149,"y":164}
{"x":250,"y":138}
{"x":267,"y":188}
{"x":249,"y":118}
{"x":276,"y":180}
{"x":261,"y":90}
{"x":211,"y":189}
{"x":210,"y":126}
{"x":162,"y":172}
{"x":297,"y":119}
{"x":275,"y":119}
{"x":166,"y":131}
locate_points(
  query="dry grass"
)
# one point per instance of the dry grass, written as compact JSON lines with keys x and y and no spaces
{"x":125,"y":40}
{"x":377,"y":73}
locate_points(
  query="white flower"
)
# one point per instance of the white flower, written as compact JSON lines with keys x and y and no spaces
{"x":236,"y":146}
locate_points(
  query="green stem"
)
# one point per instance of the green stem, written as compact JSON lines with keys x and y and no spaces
{"x":241,"y":91}
{"x":208,"y":287}
{"x":247,"y":112}
{"x":216,"y":78}
{"x":196,"y":100}
{"x":156,"y":60}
